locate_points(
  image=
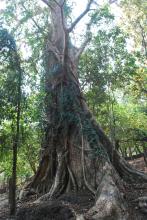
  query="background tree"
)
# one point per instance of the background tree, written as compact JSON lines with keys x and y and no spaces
{"x":135,"y":22}
{"x":9,"y":52}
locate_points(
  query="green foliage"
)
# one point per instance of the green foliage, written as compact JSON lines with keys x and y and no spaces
{"x":8,"y":114}
{"x":114,"y":79}
{"x":134,"y":22}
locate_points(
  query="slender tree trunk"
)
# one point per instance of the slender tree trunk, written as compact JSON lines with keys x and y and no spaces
{"x":145,"y":153}
{"x":12,"y":186}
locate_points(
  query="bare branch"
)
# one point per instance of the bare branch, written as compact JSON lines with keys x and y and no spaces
{"x":60,"y":5}
{"x":81,"y":16}
{"x":81,"y":49}
{"x":143,"y":35}
{"x":48,"y":4}
{"x":36,"y":24}
{"x":86,"y":41}
{"x":57,"y":3}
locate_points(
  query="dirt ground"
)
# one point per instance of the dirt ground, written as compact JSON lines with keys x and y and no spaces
{"x":139,"y":164}
{"x":69,"y":206}
{"x":4,"y":209}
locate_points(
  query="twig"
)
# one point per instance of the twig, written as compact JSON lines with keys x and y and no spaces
{"x":36,"y":24}
{"x":80,"y":16}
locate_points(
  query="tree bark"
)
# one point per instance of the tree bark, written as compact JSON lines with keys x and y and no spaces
{"x":77,"y":155}
{"x":13,"y":180}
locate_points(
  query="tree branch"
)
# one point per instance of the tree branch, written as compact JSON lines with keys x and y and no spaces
{"x":62,"y":14}
{"x":112,"y":1}
{"x":80,"y":16}
{"x":86,"y":41}
{"x":81,"y":49}
{"x":48,"y":4}
{"x":60,"y":5}
{"x":143,"y":38}
{"x":36,"y":24}
{"x":53,"y":4}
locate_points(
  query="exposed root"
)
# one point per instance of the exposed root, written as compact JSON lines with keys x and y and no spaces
{"x":109,"y":202}
{"x":58,"y":175}
{"x":142,"y":203}
{"x":90,"y":188}
{"x":127,"y":172}
{"x":73,"y":180}
{"x":59,"y":183}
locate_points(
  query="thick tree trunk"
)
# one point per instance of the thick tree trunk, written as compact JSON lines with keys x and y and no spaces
{"x":77,"y":155}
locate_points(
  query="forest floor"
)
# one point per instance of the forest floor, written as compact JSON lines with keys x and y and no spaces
{"x":70,"y":205}
{"x":4,"y":211}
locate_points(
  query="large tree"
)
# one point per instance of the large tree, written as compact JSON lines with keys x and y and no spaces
{"x":76,"y":154}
